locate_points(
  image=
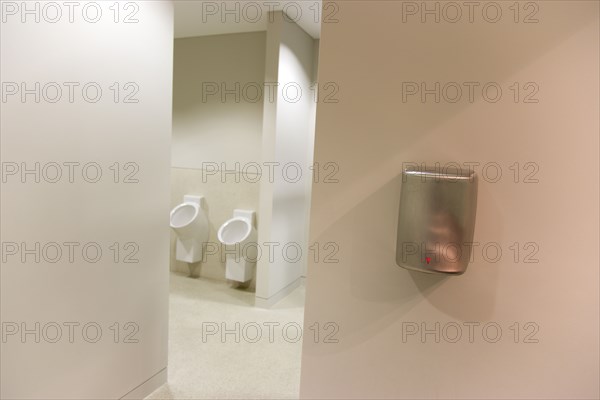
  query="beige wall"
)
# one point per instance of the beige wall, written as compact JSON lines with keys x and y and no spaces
{"x":371,"y":132}
{"x":220,"y":131}
{"x":218,"y":127}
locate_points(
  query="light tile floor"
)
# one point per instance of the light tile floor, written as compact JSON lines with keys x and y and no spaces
{"x":219,"y":367}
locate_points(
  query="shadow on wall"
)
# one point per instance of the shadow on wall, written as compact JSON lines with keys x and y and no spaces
{"x":367,"y":265}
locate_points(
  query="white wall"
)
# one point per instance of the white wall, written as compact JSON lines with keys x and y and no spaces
{"x":80,"y":291}
{"x":216,"y":132}
{"x":287,"y":140}
{"x":371,"y":132}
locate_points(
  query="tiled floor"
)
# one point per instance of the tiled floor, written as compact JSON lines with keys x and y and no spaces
{"x":225,"y":366}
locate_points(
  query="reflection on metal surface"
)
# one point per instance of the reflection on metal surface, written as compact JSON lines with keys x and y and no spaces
{"x":436,"y":220}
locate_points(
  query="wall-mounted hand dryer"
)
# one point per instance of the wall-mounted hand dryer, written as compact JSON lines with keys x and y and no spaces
{"x":436,"y":220}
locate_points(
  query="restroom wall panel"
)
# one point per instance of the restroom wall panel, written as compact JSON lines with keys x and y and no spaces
{"x":397,"y":330}
{"x":91,"y":323}
{"x":288,"y":141}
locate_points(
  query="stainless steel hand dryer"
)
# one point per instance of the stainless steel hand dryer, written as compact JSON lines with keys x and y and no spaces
{"x":436,"y":220}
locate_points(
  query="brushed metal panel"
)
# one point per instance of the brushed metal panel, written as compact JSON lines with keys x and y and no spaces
{"x":436,"y":220}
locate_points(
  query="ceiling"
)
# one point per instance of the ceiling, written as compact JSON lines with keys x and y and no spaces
{"x":200,"y":18}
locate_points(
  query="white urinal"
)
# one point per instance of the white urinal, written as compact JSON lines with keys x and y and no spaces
{"x":189,"y":220}
{"x":239,"y":237}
